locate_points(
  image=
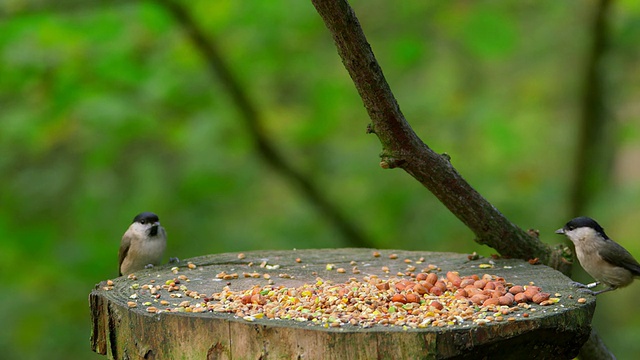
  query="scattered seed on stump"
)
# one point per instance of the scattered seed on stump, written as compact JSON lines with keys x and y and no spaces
{"x":420,"y":300}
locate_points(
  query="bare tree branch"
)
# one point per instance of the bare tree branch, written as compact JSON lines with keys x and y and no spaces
{"x":403,"y":148}
{"x":249,"y":113}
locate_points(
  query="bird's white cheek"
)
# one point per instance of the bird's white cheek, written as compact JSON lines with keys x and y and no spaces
{"x":574,"y":240}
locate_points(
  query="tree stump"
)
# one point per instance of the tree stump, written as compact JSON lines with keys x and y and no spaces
{"x":121,"y":331}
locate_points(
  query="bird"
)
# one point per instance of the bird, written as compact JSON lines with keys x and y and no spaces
{"x":142,"y":245}
{"x":602,"y":258}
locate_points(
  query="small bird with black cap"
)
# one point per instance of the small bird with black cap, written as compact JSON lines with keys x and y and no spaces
{"x":604,"y":259}
{"x":142,"y":245}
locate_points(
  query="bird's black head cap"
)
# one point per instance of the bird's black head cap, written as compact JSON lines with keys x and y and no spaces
{"x":146,"y":218}
{"x":584,"y":221}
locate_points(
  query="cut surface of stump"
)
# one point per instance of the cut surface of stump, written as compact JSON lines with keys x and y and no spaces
{"x":165,"y":312}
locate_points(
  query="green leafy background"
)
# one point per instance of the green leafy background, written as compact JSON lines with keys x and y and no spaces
{"x":108,"y":110}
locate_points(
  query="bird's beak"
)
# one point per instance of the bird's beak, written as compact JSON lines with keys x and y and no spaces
{"x":560,"y":231}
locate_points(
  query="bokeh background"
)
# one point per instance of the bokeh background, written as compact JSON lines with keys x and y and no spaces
{"x":107,"y":109}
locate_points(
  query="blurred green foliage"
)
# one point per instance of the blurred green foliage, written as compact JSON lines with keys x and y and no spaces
{"x":107,"y":111}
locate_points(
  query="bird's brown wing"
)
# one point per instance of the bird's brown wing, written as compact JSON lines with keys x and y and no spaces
{"x":124,"y":249}
{"x":619,"y":256}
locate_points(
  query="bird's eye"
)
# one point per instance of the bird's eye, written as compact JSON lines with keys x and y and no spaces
{"x":142,"y":221}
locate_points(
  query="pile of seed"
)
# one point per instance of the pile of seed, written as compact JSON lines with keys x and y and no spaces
{"x":422,"y":300}
{"x":425,"y":301}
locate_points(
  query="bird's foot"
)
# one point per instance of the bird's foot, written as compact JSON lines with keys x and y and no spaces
{"x":603,"y":290}
{"x":587,"y":291}
{"x":148,"y":266}
{"x":173,"y":260}
{"x":584,"y":286}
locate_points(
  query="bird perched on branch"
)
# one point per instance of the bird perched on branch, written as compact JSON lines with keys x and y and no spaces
{"x":143,"y":244}
{"x":604,"y":259}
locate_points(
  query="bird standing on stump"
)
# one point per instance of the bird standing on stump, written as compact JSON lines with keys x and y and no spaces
{"x":604,"y":259}
{"x":143,"y":244}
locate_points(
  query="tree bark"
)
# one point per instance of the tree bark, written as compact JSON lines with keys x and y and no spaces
{"x":402,"y":148}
